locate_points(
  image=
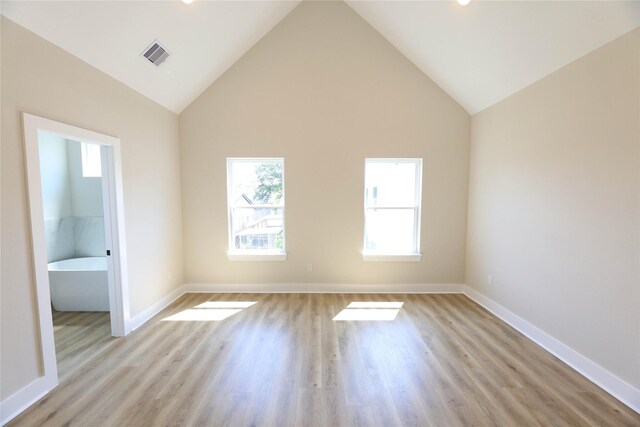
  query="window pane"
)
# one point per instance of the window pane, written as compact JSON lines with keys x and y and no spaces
{"x":256,"y":205}
{"x":91,"y":163}
{"x":392,"y":206}
{"x":258,"y":228}
{"x":390,"y":183}
{"x":256,"y":181}
{"x":390,"y":230}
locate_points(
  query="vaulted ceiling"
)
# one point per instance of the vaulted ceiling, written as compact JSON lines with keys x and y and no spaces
{"x":204,"y":38}
{"x":488,"y":50}
{"x":479,"y":54}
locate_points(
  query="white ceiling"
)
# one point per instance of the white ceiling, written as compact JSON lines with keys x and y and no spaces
{"x":484,"y":52}
{"x":479,"y":54}
{"x":204,"y":38}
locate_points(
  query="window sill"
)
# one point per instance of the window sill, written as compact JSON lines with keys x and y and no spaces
{"x":371,"y":257}
{"x":248,"y":256}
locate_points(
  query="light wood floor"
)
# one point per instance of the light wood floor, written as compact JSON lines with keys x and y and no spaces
{"x":79,"y":336}
{"x":443,"y":361}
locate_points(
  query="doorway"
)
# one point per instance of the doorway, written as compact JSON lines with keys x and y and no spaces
{"x":77,"y":230}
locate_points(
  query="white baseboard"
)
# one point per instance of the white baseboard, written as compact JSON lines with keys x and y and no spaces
{"x":141,"y":318}
{"x":604,"y":379}
{"x":324,"y":288}
{"x":15,"y":404}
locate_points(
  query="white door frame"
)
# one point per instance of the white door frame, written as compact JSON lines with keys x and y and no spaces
{"x":114,"y":229}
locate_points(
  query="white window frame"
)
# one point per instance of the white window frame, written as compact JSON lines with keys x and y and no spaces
{"x":234,"y":254}
{"x":377,"y":255}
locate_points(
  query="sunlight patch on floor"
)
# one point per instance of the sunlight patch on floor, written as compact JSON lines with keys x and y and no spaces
{"x":370,"y":311}
{"x":226,"y":304}
{"x":210,"y":311}
{"x":375,"y":304}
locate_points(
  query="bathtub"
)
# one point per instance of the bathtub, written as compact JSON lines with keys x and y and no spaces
{"x":79,"y":284}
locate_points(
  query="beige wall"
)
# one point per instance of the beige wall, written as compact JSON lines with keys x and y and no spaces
{"x":324,"y":90}
{"x":41,"y":79}
{"x":554,"y":205}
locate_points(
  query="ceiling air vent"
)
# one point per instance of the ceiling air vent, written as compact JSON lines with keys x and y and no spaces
{"x":155,"y":53}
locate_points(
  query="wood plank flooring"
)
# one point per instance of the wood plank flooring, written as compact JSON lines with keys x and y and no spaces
{"x":284,"y":361}
{"x":79,"y":336}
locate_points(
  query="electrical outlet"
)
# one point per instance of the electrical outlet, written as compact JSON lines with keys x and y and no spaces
{"x":309,"y":267}
{"x":490,"y":279}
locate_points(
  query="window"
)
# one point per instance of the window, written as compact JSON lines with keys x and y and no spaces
{"x":392,"y":193}
{"x":255,"y":191}
{"x":91,"y":163}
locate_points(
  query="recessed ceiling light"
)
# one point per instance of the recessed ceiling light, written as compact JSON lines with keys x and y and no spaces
{"x":460,"y":2}
{"x":191,"y":1}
